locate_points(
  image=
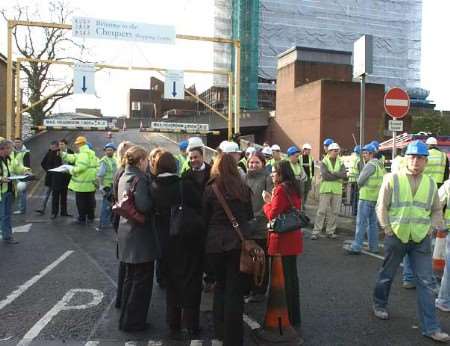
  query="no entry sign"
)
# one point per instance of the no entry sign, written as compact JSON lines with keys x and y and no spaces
{"x":396,"y":103}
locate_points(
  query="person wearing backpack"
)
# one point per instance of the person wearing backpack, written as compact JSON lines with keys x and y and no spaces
{"x":138,"y":243}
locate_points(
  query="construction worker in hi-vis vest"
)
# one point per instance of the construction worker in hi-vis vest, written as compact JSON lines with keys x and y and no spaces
{"x":105,"y":176}
{"x":437,"y":166}
{"x":408,"y":210}
{"x":333,"y":173}
{"x":369,"y":182}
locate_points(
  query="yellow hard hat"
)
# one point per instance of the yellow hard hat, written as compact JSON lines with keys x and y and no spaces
{"x":80,"y":140}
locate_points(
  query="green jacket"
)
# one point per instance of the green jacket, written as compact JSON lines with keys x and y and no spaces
{"x":84,"y":171}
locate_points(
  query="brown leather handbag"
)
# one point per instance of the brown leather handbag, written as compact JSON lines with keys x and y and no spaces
{"x":126,"y":206}
{"x":253,"y":259}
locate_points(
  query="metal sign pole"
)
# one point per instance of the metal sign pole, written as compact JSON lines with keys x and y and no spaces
{"x":362,"y":112}
{"x":394,"y":135}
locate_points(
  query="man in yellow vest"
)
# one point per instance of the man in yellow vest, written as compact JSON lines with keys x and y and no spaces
{"x":182,"y":157}
{"x":437,"y":166}
{"x":105,"y":175}
{"x":443,"y":299}
{"x":8,"y":168}
{"x":21,"y":154}
{"x":369,"y":182}
{"x":332,"y":172}
{"x":408,"y":210}
{"x":83,"y":179}
{"x":308,"y":167}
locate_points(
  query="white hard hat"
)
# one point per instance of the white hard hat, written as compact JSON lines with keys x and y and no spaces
{"x":431,"y":141}
{"x":334,"y":146}
{"x":267,"y":151}
{"x":307,"y":146}
{"x":250,"y":150}
{"x":229,"y":147}
{"x":21,"y":186}
{"x":195,"y":142}
{"x":275,"y":147}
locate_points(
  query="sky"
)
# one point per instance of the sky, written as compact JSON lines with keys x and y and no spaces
{"x":195,"y":17}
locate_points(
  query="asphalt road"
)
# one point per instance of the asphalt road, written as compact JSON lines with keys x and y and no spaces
{"x":58,"y":284}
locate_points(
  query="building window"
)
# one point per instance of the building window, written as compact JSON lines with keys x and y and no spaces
{"x":135,"y":106}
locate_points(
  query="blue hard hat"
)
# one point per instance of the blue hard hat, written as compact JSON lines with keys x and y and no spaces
{"x":328,"y":141}
{"x":370,"y":148}
{"x":417,"y":148}
{"x":183,"y":145}
{"x":357,"y":149}
{"x":90,"y":146}
{"x":292,"y":150}
{"x":109,"y":145}
{"x":376,"y":144}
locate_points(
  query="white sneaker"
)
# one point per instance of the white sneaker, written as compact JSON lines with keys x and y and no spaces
{"x":439,"y":336}
{"x":442,"y":307}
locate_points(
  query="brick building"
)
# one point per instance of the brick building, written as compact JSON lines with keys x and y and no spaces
{"x":316,"y":99}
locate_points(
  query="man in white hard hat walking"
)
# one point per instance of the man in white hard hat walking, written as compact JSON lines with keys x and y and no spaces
{"x":437,"y":166}
{"x":332,"y":172}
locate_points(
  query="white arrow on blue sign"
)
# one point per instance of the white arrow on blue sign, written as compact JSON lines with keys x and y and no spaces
{"x":174,"y":85}
{"x":84,"y":78}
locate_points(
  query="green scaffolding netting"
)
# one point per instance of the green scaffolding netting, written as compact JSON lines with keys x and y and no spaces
{"x":246,"y":29}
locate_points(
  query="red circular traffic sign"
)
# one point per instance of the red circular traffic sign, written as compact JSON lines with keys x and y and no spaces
{"x":396,"y":103}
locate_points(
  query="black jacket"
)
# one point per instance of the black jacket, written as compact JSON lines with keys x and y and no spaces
{"x":220,"y":234}
{"x":198,"y":178}
{"x":55,"y":180}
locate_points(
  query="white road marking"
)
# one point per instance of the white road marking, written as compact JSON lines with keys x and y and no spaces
{"x":196,"y":343}
{"x":397,"y":102}
{"x":22,"y":229}
{"x":154,"y":343}
{"x":216,"y":342}
{"x":251,"y":323}
{"x":92,"y":343}
{"x":62,"y":305}
{"x":131,"y":343}
{"x":19,"y":291}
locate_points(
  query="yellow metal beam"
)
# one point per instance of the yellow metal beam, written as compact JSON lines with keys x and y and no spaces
{"x":9,"y":84}
{"x":18,"y":119}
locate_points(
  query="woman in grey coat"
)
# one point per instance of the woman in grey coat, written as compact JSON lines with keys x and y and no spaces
{"x":259,"y":180}
{"x":138,"y":244}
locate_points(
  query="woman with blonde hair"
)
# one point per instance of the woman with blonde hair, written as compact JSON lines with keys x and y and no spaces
{"x":120,"y":153}
{"x":138,"y":243}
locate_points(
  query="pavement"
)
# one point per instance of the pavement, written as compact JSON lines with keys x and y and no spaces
{"x":57,"y":286}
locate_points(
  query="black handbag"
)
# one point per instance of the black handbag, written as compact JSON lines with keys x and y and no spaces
{"x":184,"y":220}
{"x":292,"y":220}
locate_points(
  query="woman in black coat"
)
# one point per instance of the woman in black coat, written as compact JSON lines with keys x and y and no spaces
{"x":183,"y":252}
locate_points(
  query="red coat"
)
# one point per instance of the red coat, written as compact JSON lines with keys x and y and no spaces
{"x":289,"y":243}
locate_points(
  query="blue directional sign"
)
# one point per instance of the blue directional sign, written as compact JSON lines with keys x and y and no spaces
{"x":174,"y":85}
{"x":84,"y":78}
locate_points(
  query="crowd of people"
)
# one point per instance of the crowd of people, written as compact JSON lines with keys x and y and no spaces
{"x":169,"y":219}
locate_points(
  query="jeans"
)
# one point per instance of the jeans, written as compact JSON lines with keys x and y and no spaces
{"x":366,"y":220}
{"x":408,"y":275}
{"x":5,"y":215}
{"x":47,"y":196}
{"x":444,"y":292}
{"x":105,"y":214}
{"x":421,"y":263}
{"x":355,"y":198}
{"x":22,"y":201}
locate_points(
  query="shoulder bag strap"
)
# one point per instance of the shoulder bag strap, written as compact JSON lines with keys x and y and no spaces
{"x":227,"y":210}
{"x":133,"y":184}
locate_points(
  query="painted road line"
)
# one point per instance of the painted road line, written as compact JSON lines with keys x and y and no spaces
{"x":22,"y":229}
{"x":62,"y":305}
{"x":216,"y":342}
{"x":131,"y":343}
{"x":19,"y":291}
{"x":251,"y":323}
{"x":154,"y":343}
{"x":196,"y":343}
{"x":92,"y":343}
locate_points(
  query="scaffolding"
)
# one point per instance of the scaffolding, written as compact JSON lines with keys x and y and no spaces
{"x":245,"y":27}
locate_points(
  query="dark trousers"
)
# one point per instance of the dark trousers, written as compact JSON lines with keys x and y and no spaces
{"x":120,"y":280}
{"x":178,"y":315}
{"x":292,"y":289}
{"x":47,"y":196}
{"x":136,"y":295}
{"x":228,"y":306}
{"x":59,"y":199}
{"x":85,"y":205}
{"x":263,"y":288}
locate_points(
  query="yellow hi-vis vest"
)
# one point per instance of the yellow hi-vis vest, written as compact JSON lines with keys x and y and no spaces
{"x":297,"y":168}
{"x":435,"y":167}
{"x":111,"y":168}
{"x":410,"y":217}
{"x":354,"y":169}
{"x":334,"y":187}
{"x":369,"y":191}
{"x":85,"y":171}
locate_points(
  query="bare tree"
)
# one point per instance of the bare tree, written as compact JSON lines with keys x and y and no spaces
{"x":45,"y":44}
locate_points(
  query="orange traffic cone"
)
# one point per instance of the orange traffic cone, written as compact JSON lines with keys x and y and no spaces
{"x":439,"y":253}
{"x":277,"y":329}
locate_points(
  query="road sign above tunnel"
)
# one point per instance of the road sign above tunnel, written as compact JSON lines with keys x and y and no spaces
{"x":396,"y":103}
